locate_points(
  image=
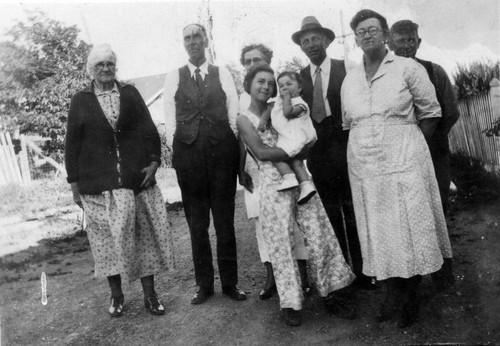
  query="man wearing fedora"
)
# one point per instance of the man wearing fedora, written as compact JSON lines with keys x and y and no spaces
{"x":327,"y":160}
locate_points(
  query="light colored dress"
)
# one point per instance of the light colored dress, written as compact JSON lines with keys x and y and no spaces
{"x":252,"y":204}
{"x":293,"y":134}
{"x":278,"y":211}
{"x":400,"y":221}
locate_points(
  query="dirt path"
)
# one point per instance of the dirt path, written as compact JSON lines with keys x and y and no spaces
{"x":76,"y":312}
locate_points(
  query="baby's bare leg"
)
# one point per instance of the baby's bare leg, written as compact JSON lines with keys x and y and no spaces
{"x":283,"y":168}
{"x":299,"y":169}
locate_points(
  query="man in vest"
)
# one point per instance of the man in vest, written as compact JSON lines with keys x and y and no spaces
{"x":201,"y":106}
{"x":327,"y":159}
{"x":404,"y":41}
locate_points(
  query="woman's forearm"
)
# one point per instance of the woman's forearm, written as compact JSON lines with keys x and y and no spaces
{"x":266,"y":153}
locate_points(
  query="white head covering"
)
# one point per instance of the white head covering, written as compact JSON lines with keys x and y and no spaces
{"x":98,"y":53}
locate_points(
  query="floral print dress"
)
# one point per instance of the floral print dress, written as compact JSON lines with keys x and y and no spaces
{"x":128,"y":233}
{"x":278,"y":211}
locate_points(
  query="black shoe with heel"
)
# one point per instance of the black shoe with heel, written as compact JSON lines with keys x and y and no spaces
{"x":116,"y":307}
{"x":154,"y":305}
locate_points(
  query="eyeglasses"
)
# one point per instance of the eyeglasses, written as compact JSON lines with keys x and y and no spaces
{"x":100,"y":66}
{"x":249,"y":61}
{"x":371,"y":30}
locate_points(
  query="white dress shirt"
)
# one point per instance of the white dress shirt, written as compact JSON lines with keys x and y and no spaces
{"x":325,"y":66}
{"x":172,"y":84}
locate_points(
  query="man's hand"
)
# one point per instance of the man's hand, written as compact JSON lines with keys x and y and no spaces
{"x":76,"y":194}
{"x":245,"y":180}
{"x":150,"y":174}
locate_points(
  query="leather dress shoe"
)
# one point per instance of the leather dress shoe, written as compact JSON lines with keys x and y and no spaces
{"x":409,"y":313}
{"x":387,"y":312}
{"x":267,"y":293}
{"x":339,"y":307}
{"x":202,"y":296}
{"x":292,"y":317}
{"x":365,"y":282}
{"x":234,"y":293}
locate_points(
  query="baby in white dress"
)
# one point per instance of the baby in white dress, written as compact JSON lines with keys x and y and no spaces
{"x":291,"y":120}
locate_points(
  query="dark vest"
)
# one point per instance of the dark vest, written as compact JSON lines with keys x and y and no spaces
{"x":201,"y":110}
{"x":330,"y":128}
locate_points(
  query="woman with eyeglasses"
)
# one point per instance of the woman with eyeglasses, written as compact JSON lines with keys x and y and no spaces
{"x":390,"y":107}
{"x":112,"y":153}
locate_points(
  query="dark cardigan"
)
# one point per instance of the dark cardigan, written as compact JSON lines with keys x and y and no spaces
{"x":92,"y":144}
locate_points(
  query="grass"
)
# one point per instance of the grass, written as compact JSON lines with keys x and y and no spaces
{"x":475,"y":185}
{"x":34,"y":198}
{"x":53,"y":193}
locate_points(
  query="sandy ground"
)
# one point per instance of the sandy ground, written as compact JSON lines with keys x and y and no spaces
{"x":76,"y":309}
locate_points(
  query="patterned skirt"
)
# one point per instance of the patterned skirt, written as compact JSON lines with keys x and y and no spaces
{"x":129,"y":234}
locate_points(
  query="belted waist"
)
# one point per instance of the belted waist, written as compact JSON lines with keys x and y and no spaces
{"x":384,"y":123}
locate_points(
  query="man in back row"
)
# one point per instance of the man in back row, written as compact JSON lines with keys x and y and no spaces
{"x":404,"y":41}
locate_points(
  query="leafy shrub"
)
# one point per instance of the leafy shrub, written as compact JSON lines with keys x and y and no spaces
{"x":475,"y":78}
{"x":166,"y":152}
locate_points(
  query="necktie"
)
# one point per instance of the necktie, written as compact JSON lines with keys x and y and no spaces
{"x":318,"y":111}
{"x":199,"y":80}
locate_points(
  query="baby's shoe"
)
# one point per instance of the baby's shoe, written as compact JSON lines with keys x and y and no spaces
{"x":307,"y":190}
{"x":289,"y":182}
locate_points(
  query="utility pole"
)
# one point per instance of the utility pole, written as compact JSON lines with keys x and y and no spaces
{"x":344,"y":36}
{"x":206,"y":18}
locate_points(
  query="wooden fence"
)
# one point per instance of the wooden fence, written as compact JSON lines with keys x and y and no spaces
{"x":18,"y":168}
{"x":477,"y":113}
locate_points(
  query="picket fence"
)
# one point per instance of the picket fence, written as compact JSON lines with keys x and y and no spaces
{"x":467,"y":137}
{"x":18,"y":168}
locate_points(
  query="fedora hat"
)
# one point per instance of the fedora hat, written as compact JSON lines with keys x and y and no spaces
{"x":311,"y":23}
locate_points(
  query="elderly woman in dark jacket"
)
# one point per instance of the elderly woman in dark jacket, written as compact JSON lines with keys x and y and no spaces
{"x":112,"y":154}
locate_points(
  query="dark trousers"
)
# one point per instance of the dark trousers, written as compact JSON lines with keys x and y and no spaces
{"x":207,"y":177}
{"x":327,"y":163}
{"x":443,"y":278}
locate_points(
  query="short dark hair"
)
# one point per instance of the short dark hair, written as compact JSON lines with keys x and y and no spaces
{"x":367,"y":14}
{"x":293,"y":75}
{"x":259,"y":67}
{"x":268,"y":53}
{"x":404,"y":26}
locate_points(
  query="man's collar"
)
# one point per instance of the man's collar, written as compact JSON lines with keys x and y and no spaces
{"x":203,"y":67}
{"x":325,"y":66}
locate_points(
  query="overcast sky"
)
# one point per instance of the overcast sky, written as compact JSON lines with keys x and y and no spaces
{"x":147,"y":36}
